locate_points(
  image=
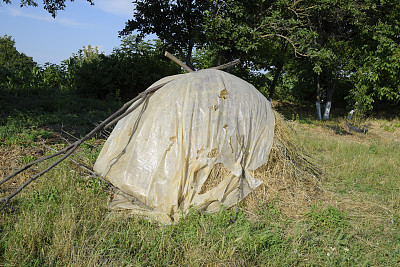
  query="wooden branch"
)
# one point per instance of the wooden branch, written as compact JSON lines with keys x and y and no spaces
{"x":287,"y":39}
{"x":71,"y":159}
{"x":27,"y":166}
{"x":104,"y":132}
{"x":83,"y":167}
{"x":145,"y":94}
{"x":67,"y":151}
{"x":74,"y":137}
{"x":177,"y":61}
{"x":33,"y":178}
{"x":227,"y":65}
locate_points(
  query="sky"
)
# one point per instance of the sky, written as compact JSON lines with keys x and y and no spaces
{"x":37,"y":34}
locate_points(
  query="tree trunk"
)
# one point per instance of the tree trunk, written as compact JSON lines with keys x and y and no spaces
{"x":328,"y":104}
{"x":278,"y":71}
{"x":318,"y":96}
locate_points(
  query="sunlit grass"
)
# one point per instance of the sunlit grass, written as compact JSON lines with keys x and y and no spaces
{"x":63,"y":220}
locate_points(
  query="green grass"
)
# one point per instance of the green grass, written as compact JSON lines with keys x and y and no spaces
{"x":62,"y":219}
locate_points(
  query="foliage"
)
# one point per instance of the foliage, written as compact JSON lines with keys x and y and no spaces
{"x":123,"y":74}
{"x":178,"y":24}
{"x":327,"y":218}
{"x":350,"y":49}
{"x":14,"y":66}
{"x":52,"y":6}
{"x":127,"y":71}
{"x":341,"y":41}
{"x":20,"y":75}
{"x":375,"y":50}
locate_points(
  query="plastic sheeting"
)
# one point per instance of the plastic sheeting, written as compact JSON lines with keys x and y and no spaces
{"x":163,"y":152}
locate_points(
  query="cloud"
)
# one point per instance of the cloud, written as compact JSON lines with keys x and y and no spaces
{"x":116,"y":7}
{"x":19,"y":13}
{"x":47,"y":18}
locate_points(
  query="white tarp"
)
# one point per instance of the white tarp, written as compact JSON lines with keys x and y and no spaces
{"x":162,"y":153}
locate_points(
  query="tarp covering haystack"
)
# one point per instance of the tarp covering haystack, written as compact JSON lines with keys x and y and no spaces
{"x":205,"y":139}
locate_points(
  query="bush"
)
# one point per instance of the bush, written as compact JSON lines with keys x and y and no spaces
{"x":121,"y":75}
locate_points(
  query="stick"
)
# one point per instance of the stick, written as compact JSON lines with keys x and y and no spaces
{"x":33,"y":178}
{"x":227,"y":65}
{"x":27,"y":166}
{"x":104,"y":132}
{"x":89,"y":135}
{"x":147,"y":92}
{"x":177,"y":61}
{"x":71,"y":159}
{"x":83,"y":167}
{"x":76,"y":138}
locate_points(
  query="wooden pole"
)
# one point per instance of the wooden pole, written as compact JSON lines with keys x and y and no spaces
{"x":177,"y":61}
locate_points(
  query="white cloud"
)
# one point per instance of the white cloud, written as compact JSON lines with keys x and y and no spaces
{"x":62,"y":21}
{"x":116,"y":7}
{"x":19,"y":13}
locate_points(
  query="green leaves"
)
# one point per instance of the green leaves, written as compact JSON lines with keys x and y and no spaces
{"x":52,"y":6}
{"x":127,"y":71}
{"x":178,"y":24}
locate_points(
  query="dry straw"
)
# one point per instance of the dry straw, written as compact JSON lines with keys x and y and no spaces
{"x":289,"y":178}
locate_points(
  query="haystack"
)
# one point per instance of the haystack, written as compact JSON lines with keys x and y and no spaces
{"x":206,"y":139}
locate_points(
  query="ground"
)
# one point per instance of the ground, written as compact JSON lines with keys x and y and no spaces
{"x":62,"y":219}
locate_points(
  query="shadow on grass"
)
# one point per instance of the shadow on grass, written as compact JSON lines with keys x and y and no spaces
{"x":39,"y":115}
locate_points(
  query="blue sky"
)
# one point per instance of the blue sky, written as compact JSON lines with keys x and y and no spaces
{"x":39,"y":35}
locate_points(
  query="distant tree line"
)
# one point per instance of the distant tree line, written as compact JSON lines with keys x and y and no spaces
{"x":127,"y":71}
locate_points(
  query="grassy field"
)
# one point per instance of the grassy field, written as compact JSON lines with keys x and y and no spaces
{"x":62,"y":219}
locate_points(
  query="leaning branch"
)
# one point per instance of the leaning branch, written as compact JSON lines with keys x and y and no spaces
{"x":227,"y":65}
{"x":177,"y":61}
{"x":83,"y":167}
{"x":33,"y":178}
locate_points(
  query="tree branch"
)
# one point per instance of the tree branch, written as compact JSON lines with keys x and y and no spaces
{"x":227,"y":65}
{"x":177,"y":61}
{"x":296,"y":52}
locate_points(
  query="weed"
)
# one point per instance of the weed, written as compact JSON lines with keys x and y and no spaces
{"x":327,"y":218}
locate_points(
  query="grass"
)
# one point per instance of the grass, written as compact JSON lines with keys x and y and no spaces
{"x":62,"y":219}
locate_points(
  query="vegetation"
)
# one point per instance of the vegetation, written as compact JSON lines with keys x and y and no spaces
{"x":123,"y":74}
{"x":338,"y":53}
{"x":62,"y":219}
{"x":338,"y":46}
{"x":52,"y":6}
{"x":127,"y":71}
{"x":299,"y":53}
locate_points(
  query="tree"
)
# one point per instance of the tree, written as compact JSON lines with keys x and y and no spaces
{"x":179,"y":24}
{"x":52,"y":6}
{"x":15,"y":67}
{"x":9,"y":55}
{"x":331,"y":21}
{"x":264,"y":34}
{"x":374,"y":53}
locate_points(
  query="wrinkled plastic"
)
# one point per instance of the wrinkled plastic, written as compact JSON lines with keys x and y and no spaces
{"x":162,"y":153}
